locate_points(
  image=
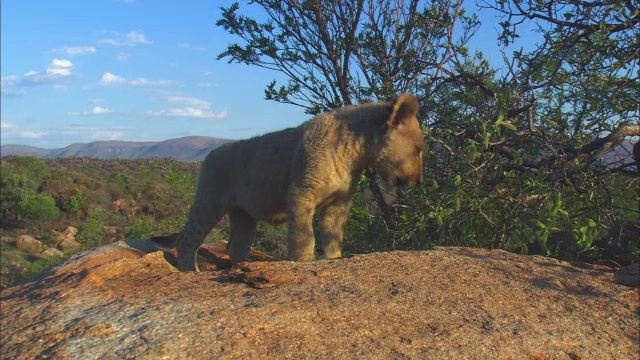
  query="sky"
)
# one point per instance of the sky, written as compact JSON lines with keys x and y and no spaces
{"x":77,"y":71}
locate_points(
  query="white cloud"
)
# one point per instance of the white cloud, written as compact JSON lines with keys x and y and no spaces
{"x":194,"y":108}
{"x":32,"y":134}
{"x":77,"y":50}
{"x":106,"y":135}
{"x":12,"y":130}
{"x":57,"y":70}
{"x":192,"y":47}
{"x":108,"y":79}
{"x":144,"y":82}
{"x":97,"y":110}
{"x":206,"y":84}
{"x":7,"y":84}
{"x":122,"y":56}
{"x":60,"y":67}
{"x":97,"y":101}
{"x":208,"y":73}
{"x":189,"y":101}
{"x":8,"y":80}
{"x":59,"y":87}
{"x":133,"y":38}
{"x":190,"y":112}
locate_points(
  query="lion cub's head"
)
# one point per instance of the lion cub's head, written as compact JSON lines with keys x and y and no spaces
{"x":399,"y":158}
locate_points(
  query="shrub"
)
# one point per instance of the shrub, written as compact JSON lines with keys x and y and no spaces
{"x":76,"y":202}
{"x":38,"y":208}
{"x":271,"y":240}
{"x":139,"y":228}
{"x":91,"y":233}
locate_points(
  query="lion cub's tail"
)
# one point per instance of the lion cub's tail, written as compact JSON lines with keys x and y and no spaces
{"x":169,"y":241}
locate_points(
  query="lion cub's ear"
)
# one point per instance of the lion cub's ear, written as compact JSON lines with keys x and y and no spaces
{"x":403,"y":107}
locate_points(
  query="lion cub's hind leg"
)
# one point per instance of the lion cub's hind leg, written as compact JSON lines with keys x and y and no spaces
{"x":202,"y":218}
{"x":243,"y":230}
{"x":331,"y":226}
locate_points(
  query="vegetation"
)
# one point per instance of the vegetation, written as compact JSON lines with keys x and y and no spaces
{"x":105,"y":200}
{"x":519,"y":150}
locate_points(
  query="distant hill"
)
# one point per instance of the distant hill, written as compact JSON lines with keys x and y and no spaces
{"x":190,"y":148}
{"x":196,"y":148}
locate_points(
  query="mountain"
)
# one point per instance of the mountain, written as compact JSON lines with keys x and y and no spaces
{"x":6,"y":150}
{"x":618,"y":155}
{"x":196,"y":148}
{"x":190,"y":148}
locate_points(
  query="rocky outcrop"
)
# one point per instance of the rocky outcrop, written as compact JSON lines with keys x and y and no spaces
{"x":126,"y":300}
{"x":52,"y":252}
{"x":66,"y":240}
{"x":29,"y":244}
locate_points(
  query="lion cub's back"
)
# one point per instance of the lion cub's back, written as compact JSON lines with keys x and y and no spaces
{"x":256,"y":171}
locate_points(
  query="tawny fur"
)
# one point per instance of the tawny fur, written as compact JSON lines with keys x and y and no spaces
{"x":287,"y":176}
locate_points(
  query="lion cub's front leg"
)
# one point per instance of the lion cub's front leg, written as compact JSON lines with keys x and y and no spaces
{"x":300,"y":239}
{"x":332,"y":220}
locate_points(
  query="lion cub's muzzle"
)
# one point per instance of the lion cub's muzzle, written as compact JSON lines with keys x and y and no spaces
{"x":409,"y":181}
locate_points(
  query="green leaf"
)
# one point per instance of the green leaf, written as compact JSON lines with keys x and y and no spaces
{"x":565,"y":214}
{"x":556,"y":204}
{"x":446,"y":212}
{"x":592,"y":223}
{"x":457,"y":180}
{"x":500,"y":117}
{"x":509,"y":125}
{"x":518,"y":160}
{"x":540,"y":224}
{"x":552,"y":123}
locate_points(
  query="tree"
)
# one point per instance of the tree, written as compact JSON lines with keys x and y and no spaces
{"x":338,"y":53}
{"x":515,"y":153}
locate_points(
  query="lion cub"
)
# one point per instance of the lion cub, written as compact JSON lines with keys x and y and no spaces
{"x":290,"y":174}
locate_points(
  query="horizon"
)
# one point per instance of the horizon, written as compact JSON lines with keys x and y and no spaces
{"x":130,"y":70}
{"x":119,"y":141}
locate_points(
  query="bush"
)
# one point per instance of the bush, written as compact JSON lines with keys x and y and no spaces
{"x":38,"y":208}
{"x":140,"y":228}
{"x":91,"y":233}
{"x":39,"y":266}
{"x":271,"y":240}
{"x":76,"y":202}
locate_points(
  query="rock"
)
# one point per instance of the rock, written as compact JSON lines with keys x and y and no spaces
{"x":52,"y":252}
{"x":115,"y":233}
{"x":66,"y":240}
{"x":9,"y":240}
{"x":29,"y":244}
{"x":68,"y":245}
{"x":70,"y":231}
{"x":628,"y":275}
{"x":126,"y":300}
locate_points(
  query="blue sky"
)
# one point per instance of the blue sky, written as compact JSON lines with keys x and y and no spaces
{"x":141,"y":70}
